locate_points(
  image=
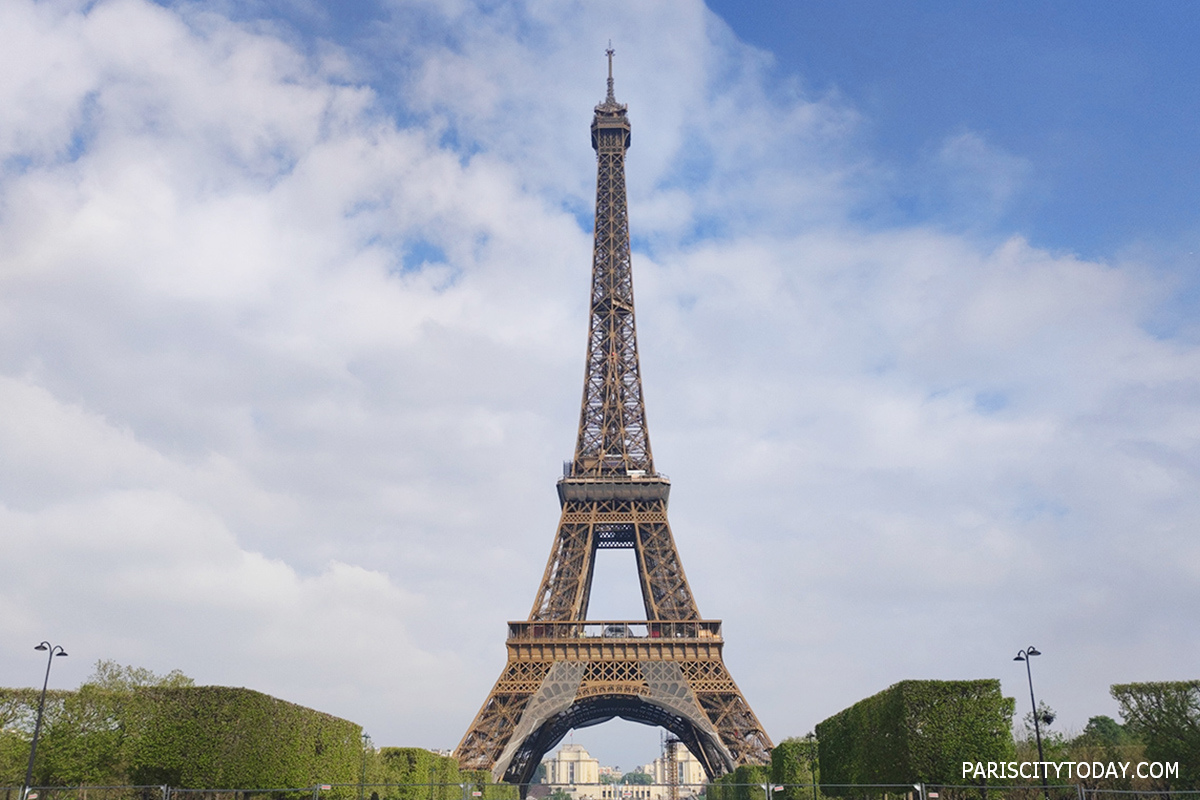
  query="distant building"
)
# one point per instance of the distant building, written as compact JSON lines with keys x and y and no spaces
{"x":689,"y":772}
{"x":612,"y":773}
{"x":691,"y":780}
{"x":573,"y":771}
{"x":620,"y":791}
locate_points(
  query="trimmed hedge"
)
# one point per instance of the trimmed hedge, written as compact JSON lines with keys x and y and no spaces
{"x":192,"y":738}
{"x":402,"y":770}
{"x":215,"y":736}
{"x":793,"y":764}
{"x":916,"y":731}
{"x":741,"y":784}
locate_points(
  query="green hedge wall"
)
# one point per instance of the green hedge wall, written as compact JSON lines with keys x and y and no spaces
{"x":793,"y":764}
{"x":193,"y":737}
{"x":916,"y":731}
{"x":214,"y":736}
{"x":744,"y":783}
{"x":403,"y":769}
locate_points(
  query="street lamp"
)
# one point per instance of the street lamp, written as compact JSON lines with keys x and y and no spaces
{"x":54,"y":650}
{"x":362,"y":778}
{"x":811,"y":739}
{"x":1025,"y":655}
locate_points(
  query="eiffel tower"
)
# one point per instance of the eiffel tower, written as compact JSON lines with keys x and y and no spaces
{"x":565,"y":671}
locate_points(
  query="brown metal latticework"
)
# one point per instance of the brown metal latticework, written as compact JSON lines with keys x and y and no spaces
{"x":565,"y":671}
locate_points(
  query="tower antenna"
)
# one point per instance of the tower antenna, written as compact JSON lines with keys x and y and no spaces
{"x":609,"y":52}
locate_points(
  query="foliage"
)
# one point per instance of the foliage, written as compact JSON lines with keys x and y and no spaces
{"x":215,"y":736}
{"x":744,"y":783}
{"x":428,"y":775}
{"x":111,"y":676}
{"x":794,"y":766}
{"x":1104,"y":731}
{"x":916,"y":731}
{"x":1045,"y":718}
{"x":1054,"y":743}
{"x":127,"y":725}
{"x":1166,"y":717}
{"x":637,"y":779}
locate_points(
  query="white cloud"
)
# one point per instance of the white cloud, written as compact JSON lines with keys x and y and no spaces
{"x":286,"y":383}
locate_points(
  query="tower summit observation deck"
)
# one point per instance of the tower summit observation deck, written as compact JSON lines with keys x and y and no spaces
{"x":565,"y":671}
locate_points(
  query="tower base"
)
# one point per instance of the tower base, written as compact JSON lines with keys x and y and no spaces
{"x":566,"y":675}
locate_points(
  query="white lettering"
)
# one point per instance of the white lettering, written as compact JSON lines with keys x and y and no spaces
{"x":1081,"y":768}
{"x":968,"y":766}
{"x":1173,"y":769}
{"x":1141,"y":774}
{"x":1156,"y":766}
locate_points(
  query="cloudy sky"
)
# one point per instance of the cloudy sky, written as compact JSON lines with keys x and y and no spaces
{"x":292,"y":326}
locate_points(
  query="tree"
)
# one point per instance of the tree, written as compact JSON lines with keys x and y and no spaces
{"x":1054,"y":743}
{"x":637,"y":779}
{"x":111,"y":676}
{"x":1104,"y":731}
{"x":1166,"y":715}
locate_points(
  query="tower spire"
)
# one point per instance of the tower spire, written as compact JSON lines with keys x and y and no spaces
{"x":611,"y":99}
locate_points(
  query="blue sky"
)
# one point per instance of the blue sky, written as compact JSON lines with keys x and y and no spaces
{"x":1098,"y":99}
{"x":292,"y":319}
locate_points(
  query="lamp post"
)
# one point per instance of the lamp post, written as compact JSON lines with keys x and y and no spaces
{"x":362,"y":778}
{"x":1025,"y":655}
{"x":811,"y":739}
{"x":54,"y":650}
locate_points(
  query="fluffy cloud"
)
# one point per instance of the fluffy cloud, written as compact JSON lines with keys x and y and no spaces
{"x":288,"y":364}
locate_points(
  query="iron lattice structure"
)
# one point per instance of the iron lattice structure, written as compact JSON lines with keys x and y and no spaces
{"x":565,"y":671}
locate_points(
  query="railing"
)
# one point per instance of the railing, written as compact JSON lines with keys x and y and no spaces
{"x":624,"y":475}
{"x":707,"y":630}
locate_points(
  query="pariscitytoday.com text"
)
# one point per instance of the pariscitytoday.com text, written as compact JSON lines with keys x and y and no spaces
{"x":1068,"y":770}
